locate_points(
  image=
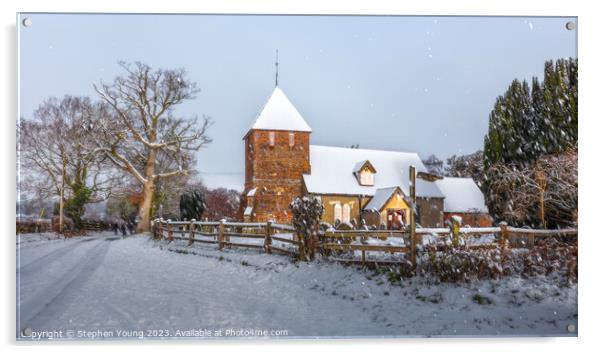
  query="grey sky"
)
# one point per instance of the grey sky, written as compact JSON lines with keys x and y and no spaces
{"x":423,"y":84}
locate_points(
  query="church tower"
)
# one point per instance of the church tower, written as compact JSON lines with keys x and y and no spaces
{"x":276,"y":157}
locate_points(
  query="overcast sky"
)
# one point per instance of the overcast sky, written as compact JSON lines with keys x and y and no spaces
{"x":423,"y":84}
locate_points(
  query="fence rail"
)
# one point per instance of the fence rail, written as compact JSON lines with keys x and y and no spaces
{"x":281,"y":238}
{"x":504,"y":237}
{"x":230,"y":234}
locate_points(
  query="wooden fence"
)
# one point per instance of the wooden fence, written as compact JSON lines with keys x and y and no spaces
{"x":272,"y":237}
{"x":267,"y":236}
{"x":392,"y":242}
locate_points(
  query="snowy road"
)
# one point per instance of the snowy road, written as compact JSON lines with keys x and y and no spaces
{"x":122,"y":286}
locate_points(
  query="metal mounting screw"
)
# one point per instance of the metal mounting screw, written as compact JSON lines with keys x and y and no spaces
{"x":570,"y":25}
{"x":27,"y":22}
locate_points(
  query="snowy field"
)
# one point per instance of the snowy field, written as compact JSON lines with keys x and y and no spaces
{"x":116,"y":288}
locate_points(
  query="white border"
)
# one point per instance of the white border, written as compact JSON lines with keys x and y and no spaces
{"x":589,"y":156}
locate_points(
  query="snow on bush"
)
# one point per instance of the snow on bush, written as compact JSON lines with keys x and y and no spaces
{"x":449,"y":264}
{"x":459,"y":264}
{"x":307,"y":212}
{"x":552,"y":256}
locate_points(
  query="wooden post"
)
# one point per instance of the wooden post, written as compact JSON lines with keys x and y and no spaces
{"x":540,"y":179}
{"x":169,"y":231}
{"x":531,"y":242}
{"x":455,"y":230}
{"x":302,"y":241}
{"x":220,"y":234}
{"x":191,"y":232}
{"x":363,"y":257}
{"x":413,"y":215}
{"x":503,"y":235}
{"x":267,"y":244}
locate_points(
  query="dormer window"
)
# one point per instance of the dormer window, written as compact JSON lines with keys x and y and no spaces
{"x":272,"y":138}
{"x":364,"y":172}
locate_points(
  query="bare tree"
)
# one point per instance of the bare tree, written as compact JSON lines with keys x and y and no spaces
{"x":543,"y":194}
{"x":141,"y":127}
{"x":55,"y":158}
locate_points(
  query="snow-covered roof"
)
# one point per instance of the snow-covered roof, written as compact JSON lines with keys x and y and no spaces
{"x":462,"y":195}
{"x":332,"y":171}
{"x":279,"y":114}
{"x":252,"y":192}
{"x":380,"y":198}
{"x":248,"y":211}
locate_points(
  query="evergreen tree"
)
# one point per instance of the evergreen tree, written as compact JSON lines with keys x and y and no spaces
{"x":527,"y":123}
{"x":192,"y":204}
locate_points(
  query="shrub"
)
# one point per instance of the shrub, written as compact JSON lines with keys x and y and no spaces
{"x":551,"y":255}
{"x":307,"y":212}
{"x":450,"y":264}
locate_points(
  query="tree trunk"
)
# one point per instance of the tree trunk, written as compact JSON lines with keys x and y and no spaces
{"x":148,"y":190}
{"x":145,"y":206}
{"x":62,"y":210}
{"x":62,"y":202}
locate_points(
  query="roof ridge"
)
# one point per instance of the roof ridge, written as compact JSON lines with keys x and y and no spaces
{"x":362,"y":149}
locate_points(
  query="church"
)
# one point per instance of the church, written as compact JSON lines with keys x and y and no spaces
{"x":354,"y":184}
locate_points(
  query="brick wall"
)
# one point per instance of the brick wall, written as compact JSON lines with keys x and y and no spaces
{"x":473,"y":219}
{"x":276,"y":171}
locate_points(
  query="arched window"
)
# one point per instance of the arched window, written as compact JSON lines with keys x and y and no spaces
{"x":291,"y":139}
{"x":346,"y":213}
{"x":272,"y":138}
{"x":338,"y":215}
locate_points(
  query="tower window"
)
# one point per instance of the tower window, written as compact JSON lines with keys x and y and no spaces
{"x":291,"y":139}
{"x":272,"y":138}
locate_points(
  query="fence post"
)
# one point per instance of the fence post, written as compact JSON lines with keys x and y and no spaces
{"x":531,"y":242}
{"x":503,"y":235}
{"x":267,"y":244}
{"x":169,"y":230}
{"x":413,"y":215}
{"x":191,"y":232}
{"x":160,"y":228}
{"x":220,"y":234}
{"x":302,"y":242}
{"x":455,"y":230}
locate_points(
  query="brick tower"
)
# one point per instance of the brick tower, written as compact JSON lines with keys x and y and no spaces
{"x":276,"y":157}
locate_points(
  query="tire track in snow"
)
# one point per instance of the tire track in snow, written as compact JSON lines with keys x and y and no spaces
{"x":38,"y":311}
{"x":41,"y":262}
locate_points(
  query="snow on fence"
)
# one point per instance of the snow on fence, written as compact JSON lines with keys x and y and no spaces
{"x":267,"y":236}
{"x":273,"y":237}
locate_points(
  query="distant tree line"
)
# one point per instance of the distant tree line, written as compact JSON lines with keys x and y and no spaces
{"x":129,"y":144}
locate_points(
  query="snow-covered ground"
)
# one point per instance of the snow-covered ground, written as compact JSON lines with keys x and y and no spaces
{"x":113,"y":288}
